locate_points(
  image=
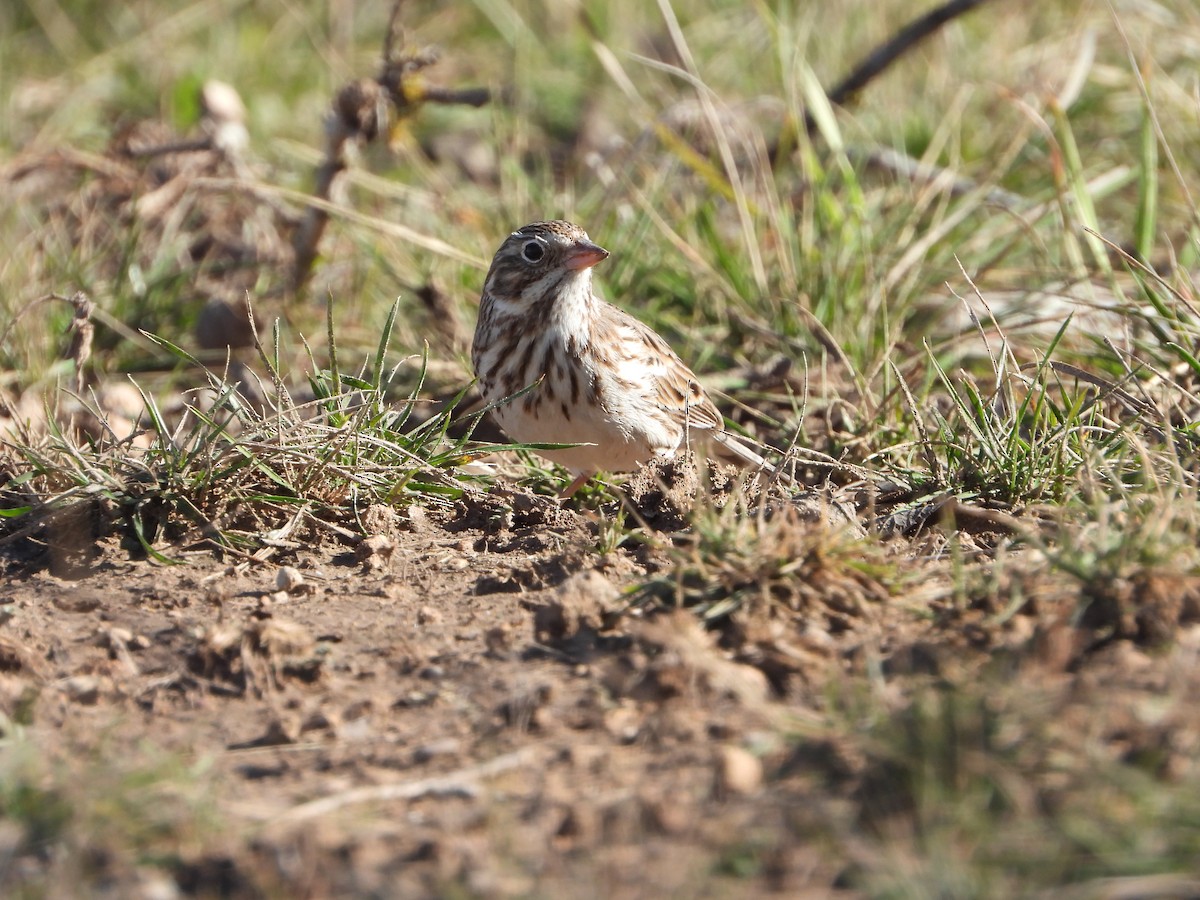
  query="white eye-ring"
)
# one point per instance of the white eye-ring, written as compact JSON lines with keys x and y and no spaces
{"x":533,"y":251}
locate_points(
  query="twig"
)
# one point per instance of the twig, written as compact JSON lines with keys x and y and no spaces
{"x":191,"y":145}
{"x":878,"y":60}
{"x":887,"y":53}
{"x":223,"y":120}
{"x":82,"y":332}
{"x":922,"y":433}
{"x":461,"y":783}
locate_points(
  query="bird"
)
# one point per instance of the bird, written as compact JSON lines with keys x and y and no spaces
{"x":559,"y":365}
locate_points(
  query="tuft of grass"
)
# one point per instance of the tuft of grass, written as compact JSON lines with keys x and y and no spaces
{"x":99,"y":817}
{"x":738,"y":560}
{"x":240,"y":460}
{"x":987,"y":792}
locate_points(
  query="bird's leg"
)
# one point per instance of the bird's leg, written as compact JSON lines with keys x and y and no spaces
{"x":580,"y":480}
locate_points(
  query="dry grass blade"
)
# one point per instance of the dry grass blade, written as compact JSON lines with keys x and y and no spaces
{"x":464,"y":782}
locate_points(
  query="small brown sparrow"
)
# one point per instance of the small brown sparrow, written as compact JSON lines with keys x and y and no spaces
{"x":599,"y":378}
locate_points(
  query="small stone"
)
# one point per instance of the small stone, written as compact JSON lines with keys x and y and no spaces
{"x":581,"y":823}
{"x":156,"y":886}
{"x":83,"y":689}
{"x":380,"y":518}
{"x":358,"y":730}
{"x":673,"y":814}
{"x":284,"y":639}
{"x":623,"y":723}
{"x":289,"y":580}
{"x":739,"y":772}
{"x":498,"y":641}
{"x":282,"y":729}
{"x":375,"y":552}
{"x":216,"y":592}
{"x":587,"y":757}
{"x":417,"y":516}
{"x":221,"y":101}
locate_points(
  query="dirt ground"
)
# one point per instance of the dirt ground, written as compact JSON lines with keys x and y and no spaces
{"x":463,"y":705}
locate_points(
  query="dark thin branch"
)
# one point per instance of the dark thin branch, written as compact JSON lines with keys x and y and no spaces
{"x":462,"y":96}
{"x":887,"y":53}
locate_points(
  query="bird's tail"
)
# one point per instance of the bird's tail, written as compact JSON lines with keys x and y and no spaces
{"x":730,"y":448}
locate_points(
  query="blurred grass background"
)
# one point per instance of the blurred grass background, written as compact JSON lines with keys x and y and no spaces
{"x":580,"y":94}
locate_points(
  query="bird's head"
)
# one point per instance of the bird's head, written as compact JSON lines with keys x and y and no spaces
{"x":543,"y":259}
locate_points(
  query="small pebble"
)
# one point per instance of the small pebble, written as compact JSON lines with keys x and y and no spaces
{"x":288,"y":579}
{"x":83,"y":689}
{"x":739,"y":772}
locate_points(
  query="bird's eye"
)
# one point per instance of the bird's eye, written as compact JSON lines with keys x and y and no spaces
{"x":533,"y":251}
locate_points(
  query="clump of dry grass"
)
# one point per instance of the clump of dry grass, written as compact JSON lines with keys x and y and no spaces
{"x":234,"y":474}
{"x":168,"y":233}
{"x":774,"y":562}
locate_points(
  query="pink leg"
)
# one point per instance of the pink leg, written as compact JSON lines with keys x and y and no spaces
{"x":580,"y":481}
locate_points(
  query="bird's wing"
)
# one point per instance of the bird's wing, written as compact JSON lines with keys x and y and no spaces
{"x":675,"y":387}
{"x":680,"y":394}
{"x":677,"y":390}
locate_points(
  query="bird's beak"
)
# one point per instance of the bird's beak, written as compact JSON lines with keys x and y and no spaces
{"x":584,"y":255}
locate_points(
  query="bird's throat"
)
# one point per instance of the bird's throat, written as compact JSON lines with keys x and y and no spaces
{"x":573,"y":313}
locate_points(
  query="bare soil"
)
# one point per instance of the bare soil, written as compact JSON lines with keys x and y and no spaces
{"x":464,"y":703}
